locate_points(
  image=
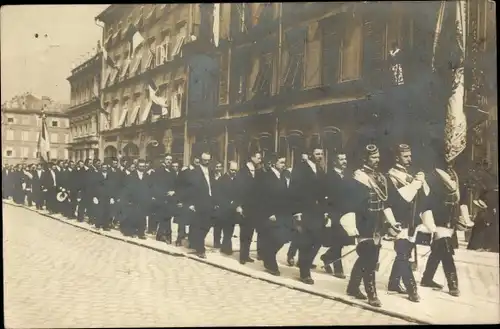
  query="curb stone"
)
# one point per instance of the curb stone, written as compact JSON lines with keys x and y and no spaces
{"x":295,"y":285}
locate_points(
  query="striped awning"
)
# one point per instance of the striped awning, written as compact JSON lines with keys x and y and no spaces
{"x":123,"y":116}
{"x":133,"y":116}
{"x":147,"y":110}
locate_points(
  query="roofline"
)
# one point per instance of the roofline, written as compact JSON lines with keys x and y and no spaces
{"x":61,"y":113}
{"x":104,"y":13}
{"x":77,"y":70}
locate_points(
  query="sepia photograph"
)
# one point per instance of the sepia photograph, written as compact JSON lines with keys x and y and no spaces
{"x":250,"y":164}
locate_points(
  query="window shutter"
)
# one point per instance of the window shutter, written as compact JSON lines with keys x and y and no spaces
{"x":254,"y":74}
{"x":225,"y":18}
{"x":285,"y":63}
{"x":158,"y":55}
{"x":313,"y":57}
{"x":373,"y":50}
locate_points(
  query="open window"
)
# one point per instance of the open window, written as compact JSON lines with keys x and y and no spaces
{"x":293,"y":57}
{"x":262,"y":82}
{"x":180,"y":39}
{"x":351,"y":48}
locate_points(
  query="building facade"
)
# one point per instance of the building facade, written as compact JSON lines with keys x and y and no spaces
{"x":21,"y":126}
{"x":275,"y":77}
{"x":129,"y":127}
{"x":85,"y":108}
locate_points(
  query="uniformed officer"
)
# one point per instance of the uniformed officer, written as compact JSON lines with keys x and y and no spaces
{"x":448,"y":215}
{"x":407,"y":195}
{"x":365,"y":211}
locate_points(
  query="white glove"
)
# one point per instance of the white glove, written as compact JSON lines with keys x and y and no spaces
{"x":111,"y":201}
{"x":179,"y":205}
{"x":78,"y":199}
{"x":298,"y":217}
{"x":328,"y":222}
{"x":170,"y":193}
{"x":239,"y":210}
{"x":192,"y":208}
{"x":95,"y":200}
{"x":272,"y":218}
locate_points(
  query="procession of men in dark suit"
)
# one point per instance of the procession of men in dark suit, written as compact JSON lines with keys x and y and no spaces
{"x":307,"y":206}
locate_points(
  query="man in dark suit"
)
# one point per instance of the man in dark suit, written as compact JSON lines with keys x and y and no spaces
{"x":249,"y":203}
{"x":202,"y":203}
{"x":183,"y":216}
{"x":103,"y":196}
{"x":277,"y":226}
{"x":163,"y":183}
{"x":80,"y":190}
{"x":226,"y":188}
{"x":138,"y":200}
{"x":308,"y":200}
{"x":218,"y":172}
{"x":18,"y":182}
{"x":51,"y":187}
{"x":336,"y":237}
{"x":36,"y":186}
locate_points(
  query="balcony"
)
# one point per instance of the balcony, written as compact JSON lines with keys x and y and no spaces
{"x":88,"y":138}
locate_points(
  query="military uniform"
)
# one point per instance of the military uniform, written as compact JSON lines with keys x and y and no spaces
{"x":367,"y":208}
{"x":407,"y":198}
{"x":444,"y":201}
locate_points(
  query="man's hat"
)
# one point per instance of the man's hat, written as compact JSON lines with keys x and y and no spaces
{"x":403,"y":148}
{"x":371,"y":149}
{"x":61,"y":196}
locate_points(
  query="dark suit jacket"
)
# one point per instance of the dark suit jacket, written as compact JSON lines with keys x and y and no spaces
{"x":138,"y":191}
{"x":36,"y":182}
{"x":226,"y":193}
{"x":199,"y":195}
{"x":104,"y":188}
{"x":308,"y":194}
{"x":274,"y":196}
{"x":248,"y":195}
{"x":48,"y":181}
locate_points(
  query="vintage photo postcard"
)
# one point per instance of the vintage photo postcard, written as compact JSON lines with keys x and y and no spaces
{"x":250,"y":164}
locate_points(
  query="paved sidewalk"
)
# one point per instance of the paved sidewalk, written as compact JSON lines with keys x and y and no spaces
{"x":478,"y":276}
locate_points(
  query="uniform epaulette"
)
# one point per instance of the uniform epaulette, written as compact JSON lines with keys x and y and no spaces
{"x":151,"y":171}
{"x":184,"y":168}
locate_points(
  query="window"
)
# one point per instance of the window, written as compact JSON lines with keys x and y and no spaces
{"x":9,"y":153}
{"x":224,"y":78}
{"x":66,"y":154}
{"x":10,"y":135}
{"x":66,"y":138}
{"x":330,"y":54}
{"x":179,"y":40}
{"x":176,"y":101}
{"x":53,"y":153}
{"x":294,"y":70}
{"x":53,"y":138}
{"x":262,"y":83}
{"x":350,"y":55}
{"x":25,"y":151}
{"x":25,"y":136}
{"x":159,"y":55}
{"x":10,"y":120}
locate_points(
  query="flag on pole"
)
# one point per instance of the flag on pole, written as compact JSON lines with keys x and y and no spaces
{"x":107,"y":59}
{"x":137,"y":40}
{"x":450,"y":36}
{"x":43,"y":140}
{"x":159,"y":104}
{"x":216,"y":28}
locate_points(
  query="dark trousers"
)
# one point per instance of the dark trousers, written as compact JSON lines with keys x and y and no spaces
{"x":270,"y":248}
{"x":164,"y":225}
{"x":293,"y":248}
{"x":247,"y":229}
{"x":334,"y":255}
{"x":38,"y":198}
{"x":181,"y":231}
{"x":137,"y":219}
{"x":198,"y":230}
{"x":227,"y":236}
{"x":217,"y":235}
{"x":82,"y":208}
{"x":50,"y":197}
{"x":401,"y":268}
{"x":442,"y":251}
{"x":364,"y":268}
{"x":103,"y":216}
{"x":309,"y":245}
{"x":29,"y":198}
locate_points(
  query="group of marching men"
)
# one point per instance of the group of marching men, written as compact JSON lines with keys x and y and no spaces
{"x":307,"y":206}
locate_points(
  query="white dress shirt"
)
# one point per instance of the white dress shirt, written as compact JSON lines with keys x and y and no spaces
{"x":140,"y":174}
{"x":340,"y":172}
{"x":207,"y":177}
{"x":251,"y":167}
{"x":312,"y":165}
{"x":53,"y":177}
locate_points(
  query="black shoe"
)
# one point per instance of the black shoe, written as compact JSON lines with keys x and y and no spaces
{"x":356,"y":294}
{"x":107,"y":229}
{"x":250,"y":260}
{"x":307,"y":280}
{"x":398,"y":289}
{"x":258,"y":257}
{"x":313,"y":267}
{"x":430,"y":284}
{"x":290,"y":261}
{"x":142,"y":237}
{"x":217,"y":245}
{"x":454,"y":292}
{"x":168,"y":241}
{"x":273,"y":272}
{"x":339,"y":275}
{"x":414,"y":298}
{"x":375,"y":302}
{"x":201,"y":255}
{"x":226,"y":252}
{"x":178,"y":243}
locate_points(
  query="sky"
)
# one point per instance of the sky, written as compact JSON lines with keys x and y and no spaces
{"x":41,"y":65}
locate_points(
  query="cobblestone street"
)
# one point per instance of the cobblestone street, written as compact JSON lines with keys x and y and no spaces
{"x":57,"y":275}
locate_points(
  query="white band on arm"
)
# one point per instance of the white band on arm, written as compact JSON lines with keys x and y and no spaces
{"x":389,"y":216}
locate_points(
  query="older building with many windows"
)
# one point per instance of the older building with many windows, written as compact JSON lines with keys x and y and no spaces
{"x":85,"y":110}
{"x":21,"y":126}
{"x":143,"y":45}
